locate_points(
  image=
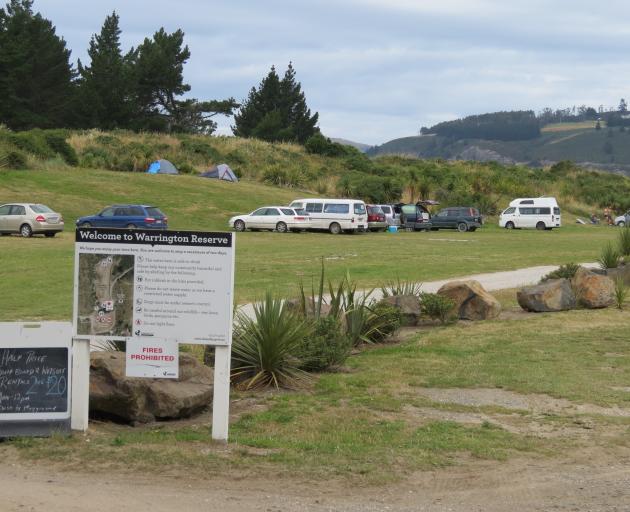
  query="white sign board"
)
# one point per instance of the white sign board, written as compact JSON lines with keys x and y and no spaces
{"x":35,"y":371}
{"x":171,"y":285}
{"x":158,"y":359}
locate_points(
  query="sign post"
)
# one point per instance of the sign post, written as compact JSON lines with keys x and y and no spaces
{"x":154,"y":289}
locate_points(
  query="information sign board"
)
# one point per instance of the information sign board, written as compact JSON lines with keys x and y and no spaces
{"x":152,"y":358}
{"x":171,"y":285}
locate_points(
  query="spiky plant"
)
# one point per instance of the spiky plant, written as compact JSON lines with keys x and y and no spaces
{"x":624,"y":241}
{"x":264,"y":348}
{"x":401,"y":287}
{"x":609,"y":257}
{"x":621,"y":292}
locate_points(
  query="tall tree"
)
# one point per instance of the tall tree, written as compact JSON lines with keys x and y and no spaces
{"x":276,"y":111}
{"x":104,"y":90}
{"x":35,"y":72}
{"x":623,"y":106}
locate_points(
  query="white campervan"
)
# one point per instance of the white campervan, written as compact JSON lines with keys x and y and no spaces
{"x":334,"y":215}
{"x":531,"y":212}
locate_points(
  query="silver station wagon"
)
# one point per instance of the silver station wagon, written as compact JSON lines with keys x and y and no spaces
{"x":29,"y":219}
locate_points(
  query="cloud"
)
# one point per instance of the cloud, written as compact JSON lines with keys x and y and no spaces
{"x":378,"y":69}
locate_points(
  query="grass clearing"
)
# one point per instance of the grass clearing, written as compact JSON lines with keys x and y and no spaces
{"x":361,"y":424}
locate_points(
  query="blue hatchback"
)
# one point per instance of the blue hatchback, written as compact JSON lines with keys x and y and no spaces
{"x":127,"y":216}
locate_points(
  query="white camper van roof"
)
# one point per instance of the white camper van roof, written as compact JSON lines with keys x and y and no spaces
{"x":534,"y":201}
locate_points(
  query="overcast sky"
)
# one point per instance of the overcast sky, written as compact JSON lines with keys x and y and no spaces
{"x":380,"y":69}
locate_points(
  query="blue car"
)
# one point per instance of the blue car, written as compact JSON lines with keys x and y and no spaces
{"x":126,"y":216}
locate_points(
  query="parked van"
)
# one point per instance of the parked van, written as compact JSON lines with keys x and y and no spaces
{"x":531,"y":212}
{"x":334,"y":215}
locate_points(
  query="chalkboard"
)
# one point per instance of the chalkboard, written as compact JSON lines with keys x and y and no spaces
{"x":34,"y":381}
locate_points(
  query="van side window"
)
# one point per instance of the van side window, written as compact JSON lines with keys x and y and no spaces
{"x":314,"y":207}
{"x":543,"y":211}
{"x":526,"y":211}
{"x":527,"y":201}
{"x":336,"y":208}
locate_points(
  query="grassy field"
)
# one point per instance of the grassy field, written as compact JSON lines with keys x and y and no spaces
{"x":37,"y":272}
{"x":372,"y":421}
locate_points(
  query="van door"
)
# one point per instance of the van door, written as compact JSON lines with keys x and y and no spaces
{"x":360,"y":211}
{"x":314,"y":211}
{"x":526,"y":217}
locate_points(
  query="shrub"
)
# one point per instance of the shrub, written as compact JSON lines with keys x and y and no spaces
{"x":58,"y":144}
{"x":275,"y":176}
{"x":437,"y":307}
{"x":264,"y":348}
{"x":564,"y":271}
{"x":624,"y":241}
{"x":328,"y":347}
{"x":15,"y":160}
{"x":609,"y":257}
{"x":320,"y":145}
{"x":33,"y":142}
{"x":621,"y":292}
{"x":387,"y":319}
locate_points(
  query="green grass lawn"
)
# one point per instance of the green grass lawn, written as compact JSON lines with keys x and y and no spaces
{"x":36,"y":273}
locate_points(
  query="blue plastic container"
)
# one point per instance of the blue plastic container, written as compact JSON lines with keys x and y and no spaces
{"x":392,"y":229}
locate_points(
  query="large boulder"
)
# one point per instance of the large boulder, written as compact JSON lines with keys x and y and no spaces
{"x":144,"y":400}
{"x":593,"y":290}
{"x":295,"y":305}
{"x":552,"y":295}
{"x":472,"y":301}
{"x":409,"y":306}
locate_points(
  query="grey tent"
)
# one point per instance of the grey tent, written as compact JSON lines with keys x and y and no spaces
{"x":162,"y":167}
{"x":220,"y":172}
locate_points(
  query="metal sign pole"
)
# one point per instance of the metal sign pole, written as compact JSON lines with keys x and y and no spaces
{"x":80,"y":384}
{"x":221,"y":398}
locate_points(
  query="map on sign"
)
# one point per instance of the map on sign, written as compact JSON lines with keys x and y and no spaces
{"x":105,"y":306}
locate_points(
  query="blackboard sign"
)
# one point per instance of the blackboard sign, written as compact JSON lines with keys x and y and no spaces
{"x":34,"y":381}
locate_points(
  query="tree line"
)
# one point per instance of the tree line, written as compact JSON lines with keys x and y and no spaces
{"x":142,"y":90}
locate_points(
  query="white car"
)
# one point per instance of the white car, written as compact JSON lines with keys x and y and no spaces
{"x":278,"y":218}
{"x":623,"y":220}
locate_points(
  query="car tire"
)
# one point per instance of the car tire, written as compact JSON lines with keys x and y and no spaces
{"x":462,"y":227}
{"x":281,"y":227}
{"x":509,"y":225}
{"x":49,"y":235}
{"x":239,"y":225}
{"x":131,"y":226}
{"x":472,"y":230}
{"x":26,"y":231}
{"x":86,"y":225}
{"x":621,"y":223}
{"x":334,"y":228}
{"x":541,"y":226}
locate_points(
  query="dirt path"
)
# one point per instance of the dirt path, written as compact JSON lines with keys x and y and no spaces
{"x":590,"y":480}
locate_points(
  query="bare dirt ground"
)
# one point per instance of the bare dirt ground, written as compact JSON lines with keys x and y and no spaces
{"x":590,"y":480}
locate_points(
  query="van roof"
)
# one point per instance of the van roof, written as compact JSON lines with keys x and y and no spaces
{"x":317,"y":199}
{"x":544,"y":201}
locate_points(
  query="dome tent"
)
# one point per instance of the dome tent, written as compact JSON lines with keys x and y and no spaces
{"x":220,"y":172}
{"x":162,"y":167}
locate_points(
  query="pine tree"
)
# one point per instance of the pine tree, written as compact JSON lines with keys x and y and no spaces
{"x":104,"y":89}
{"x":36,"y":87}
{"x":276,"y":111}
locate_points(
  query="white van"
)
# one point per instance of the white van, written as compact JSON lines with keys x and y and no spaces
{"x":334,"y":215}
{"x":531,"y":212}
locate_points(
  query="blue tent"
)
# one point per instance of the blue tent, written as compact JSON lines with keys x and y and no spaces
{"x":220,"y":172}
{"x":162,"y":167}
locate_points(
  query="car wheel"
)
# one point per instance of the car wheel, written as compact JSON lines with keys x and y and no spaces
{"x":541,"y":226}
{"x":472,"y":229}
{"x":239,"y":225}
{"x":281,"y":227}
{"x":26,"y":231}
{"x":509,"y":225}
{"x":462,"y":227}
{"x":334,"y":228}
{"x":86,"y":225}
{"x":49,"y":235}
{"x":131,"y":226}
{"x":621,"y":223}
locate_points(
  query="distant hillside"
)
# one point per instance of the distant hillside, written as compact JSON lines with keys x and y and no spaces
{"x":360,"y":146}
{"x":607,"y":149}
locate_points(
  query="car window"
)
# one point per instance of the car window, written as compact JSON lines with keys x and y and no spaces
{"x":4,"y":210}
{"x":107,"y":212}
{"x":314,"y":207}
{"x":409,"y":209}
{"x":386,"y":209}
{"x":260,"y":211}
{"x":359,"y":208}
{"x":152,"y":211}
{"x":452,"y":213}
{"x":287,"y":211}
{"x":336,"y":208}
{"x":121,"y":212}
{"x":297,"y":205}
{"x":509,"y":211}
{"x":18,"y":210}
{"x":135,"y":211}
{"x":272,"y":211}
{"x":441,"y":213}
{"x":40,"y":208}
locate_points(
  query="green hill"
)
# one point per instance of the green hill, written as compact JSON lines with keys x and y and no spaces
{"x":607,"y":149}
